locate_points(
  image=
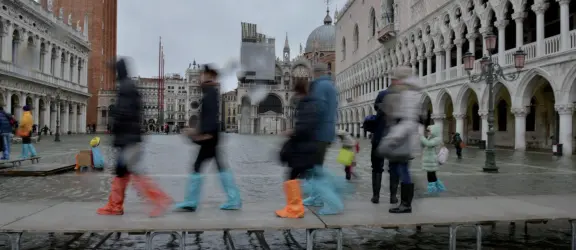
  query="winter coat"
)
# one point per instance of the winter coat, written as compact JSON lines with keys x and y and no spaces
{"x":429,"y":144}
{"x":127,"y":112}
{"x":5,"y":125}
{"x":402,"y":109}
{"x":380,"y":130}
{"x":301,"y":148}
{"x":209,"y":109}
{"x":26,"y":122}
{"x":347,"y":141}
{"x":323,"y":91}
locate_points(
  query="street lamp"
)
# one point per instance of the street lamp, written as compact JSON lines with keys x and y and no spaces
{"x":57,"y":135}
{"x":491,"y":72}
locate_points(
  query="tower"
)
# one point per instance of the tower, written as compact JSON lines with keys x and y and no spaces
{"x":286,"y":51}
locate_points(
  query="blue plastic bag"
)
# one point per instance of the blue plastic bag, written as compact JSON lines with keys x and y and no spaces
{"x":97,"y":158}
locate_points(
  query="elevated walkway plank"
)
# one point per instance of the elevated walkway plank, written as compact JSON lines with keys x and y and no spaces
{"x":565,"y":202}
{"x":446,"y":211}
{"x":11,"y":212}
{"x":69,"y":217}
{"x":38,"y":169}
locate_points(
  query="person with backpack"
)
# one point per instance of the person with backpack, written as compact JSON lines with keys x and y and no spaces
{"x":401,"y":106}
{"x":457,"y":141}
{"x":5,"y":133}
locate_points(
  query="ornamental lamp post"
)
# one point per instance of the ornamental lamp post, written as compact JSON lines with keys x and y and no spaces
{"x":57,"y":135}
{"x":491,"y":72}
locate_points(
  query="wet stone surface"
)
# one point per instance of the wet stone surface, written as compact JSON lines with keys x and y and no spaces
{"x":253,"y":159}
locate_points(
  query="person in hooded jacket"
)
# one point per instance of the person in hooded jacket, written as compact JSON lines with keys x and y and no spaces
{"x":127,"y":138}
{"x":430,"y":163}
{"x":208,"y":138}
{"x":25,"y":131}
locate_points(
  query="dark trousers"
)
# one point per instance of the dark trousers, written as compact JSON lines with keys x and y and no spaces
{"x":296,"y":173}
{"x":459,"y":151}
{"x":377,"y":161}
{"x":401,"y":170}
{"x":321,"y":153}
{"x":127,"y":160}
{"x":208,"y":150}
{"x":431,"y":176}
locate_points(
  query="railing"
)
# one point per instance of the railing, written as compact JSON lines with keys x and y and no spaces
{"x":552,"y":45}
{"x":42,"y":78}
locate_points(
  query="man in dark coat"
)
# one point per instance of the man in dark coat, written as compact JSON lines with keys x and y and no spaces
{"x":5,"y":133}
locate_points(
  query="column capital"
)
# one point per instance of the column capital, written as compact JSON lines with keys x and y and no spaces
{"x":438,"y":51}
{"x":564,"y":109}
{"x":520,"y":112}
{"x":448,"y":46}
{"x":540,"y":8}
{"x":459,"y":116}
{"x":429,"y":55}
{"x":459,"y":42}
{"x":483,"y":114}
{"x":438,"y":116}
{"x":563,"y":2}
{"x":472,"y":36}
{"x":501,"y":24}
{"x":519,"y":16}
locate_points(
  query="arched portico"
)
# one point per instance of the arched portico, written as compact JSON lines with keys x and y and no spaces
{"x":466,"y":113}
{"x":443,"y":117}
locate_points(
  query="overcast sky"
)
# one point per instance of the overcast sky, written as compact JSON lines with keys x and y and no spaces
{"x":209,"y":30}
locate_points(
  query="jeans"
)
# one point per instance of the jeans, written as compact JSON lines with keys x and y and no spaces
{"x":6,"y":141}
{"x":401,"y":169}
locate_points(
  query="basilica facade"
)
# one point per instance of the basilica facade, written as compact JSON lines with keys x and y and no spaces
{"x":533,"y":111}
{"x":43,"y":64}
{"x":275,"y":113}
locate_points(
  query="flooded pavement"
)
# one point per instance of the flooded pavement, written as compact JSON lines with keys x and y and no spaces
{"x":259,"y":176}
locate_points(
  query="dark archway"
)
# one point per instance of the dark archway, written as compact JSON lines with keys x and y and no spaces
{"x":193,"y":121}
{"x":271,"y":103}
{"x":15,"y":102}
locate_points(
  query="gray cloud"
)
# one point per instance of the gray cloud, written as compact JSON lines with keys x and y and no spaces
{"x":209,"y":30}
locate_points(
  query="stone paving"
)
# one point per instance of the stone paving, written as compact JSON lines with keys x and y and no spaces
{"x":259,"y":175}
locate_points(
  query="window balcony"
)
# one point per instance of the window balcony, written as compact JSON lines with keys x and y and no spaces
{"x":387,"y":33}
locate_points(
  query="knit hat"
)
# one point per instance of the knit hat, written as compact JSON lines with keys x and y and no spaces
{"x":401,"y":72}
{"x":26,"y":108}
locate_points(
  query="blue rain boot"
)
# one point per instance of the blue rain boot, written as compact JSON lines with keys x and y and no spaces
{"x":234,"y":201}
{"x":313,"y":199}
{"x":31,"y":150}
{"x":440,"y":186}
{"x":193,"y":191}
{"x":25,"y":151}
{"x":432,"y":188}
{"x":331,"y":199}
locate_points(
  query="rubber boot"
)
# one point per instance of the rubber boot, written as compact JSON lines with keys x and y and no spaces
{"x":115,"y":205}
{"x":31,"y":150}
{"x":160,"y":201}
{"x":294,"y":207}
{"x":193,"y":192}
{"x":394,"y":183}
{"x":234,"y":201}
{"x":332,"y":202}
{"x":440,"y":186}
{"x":376,"y":186}
{"x":25,"y":152}
{"x":313,"y":199}
{"x":406,"y":196}
{"x":432,"y":188}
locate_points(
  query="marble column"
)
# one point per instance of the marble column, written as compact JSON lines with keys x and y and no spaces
{"x":47,"y":58}
{"x":438,"y":65}
{"x":36,"y":110}
{"x":501,"y":26}
{"x":439,"y":121}
{"x":360,"y":131}
{"x":18,"y":109}
{"x":566,"y":127}
{"x":428,"y":66}
{"x":564,"y":24}
{"x":448,"y":60}
{"x":539,"y":9}
{"x":8,"y":102}
{"x":459,"y":42}
{"x":66,"y":66}
{"x":484,"y":128}
{"x":472,"y":42}
{"x":519,"y":20}
{"x":7,"y":31}
{"x":74,"y":119}
{"x":57,"y":63}
{"x":53,"y":116}
{"x":460,"y":125}
{"x":520,"y":128}
{"x":47,"y":120}
{"x":420,"y":66}
{"x":65,"y":121}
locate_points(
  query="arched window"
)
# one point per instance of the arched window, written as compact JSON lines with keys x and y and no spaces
{"x":475,"y":117}
{"x":372,"y":22}
{"x":343,"y":48}
{"x":502,"y":115}
{"x":356,"y":37}
{"x":531,"y":117}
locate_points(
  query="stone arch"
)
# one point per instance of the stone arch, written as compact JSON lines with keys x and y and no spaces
{"x":441,"y":99}
{"x":497,"y":88}
{"x":568,"y":87}
{"x":29,"y":102}
{"x":15,"y":103}
{"x":461,"y":100}
{"x":526,"y":86}
{"x":273,"y":102}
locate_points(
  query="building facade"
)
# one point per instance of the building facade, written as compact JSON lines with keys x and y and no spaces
{"x":99,"y":19}
{"x":229,"y":111}
{"x":533,"y":111}
{"x":44,"y":62}
{"x":275,"y":113}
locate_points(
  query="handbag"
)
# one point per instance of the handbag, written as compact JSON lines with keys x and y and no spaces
{"x":442,"y":155}
{"x":400,"y":151}
{"x":285,"y":151}
{"x":345,"y":157}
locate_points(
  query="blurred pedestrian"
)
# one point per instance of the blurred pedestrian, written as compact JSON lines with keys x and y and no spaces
{"x":5,"y":133}
{"x":25,"y":131}
{"x":208,"y":138}
{"x":128,"y":140}
{"x":402,"y":114}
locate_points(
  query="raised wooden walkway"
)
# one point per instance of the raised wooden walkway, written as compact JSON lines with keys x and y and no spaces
{"x":453,"y":212}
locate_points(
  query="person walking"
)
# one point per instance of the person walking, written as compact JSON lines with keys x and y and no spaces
{"x":401,"y":106}
{"x":127,"y":138}
{"x":430,"y":141}
{"x":208,"y":138}
{"x":324,"y":192}
{"x":299,"y":151}
{"x":457,"y":142}
{"x":25,"y":131}
{"x":5,"y":133}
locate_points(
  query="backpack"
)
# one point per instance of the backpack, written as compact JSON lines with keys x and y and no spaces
{"x":370,"y":123}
